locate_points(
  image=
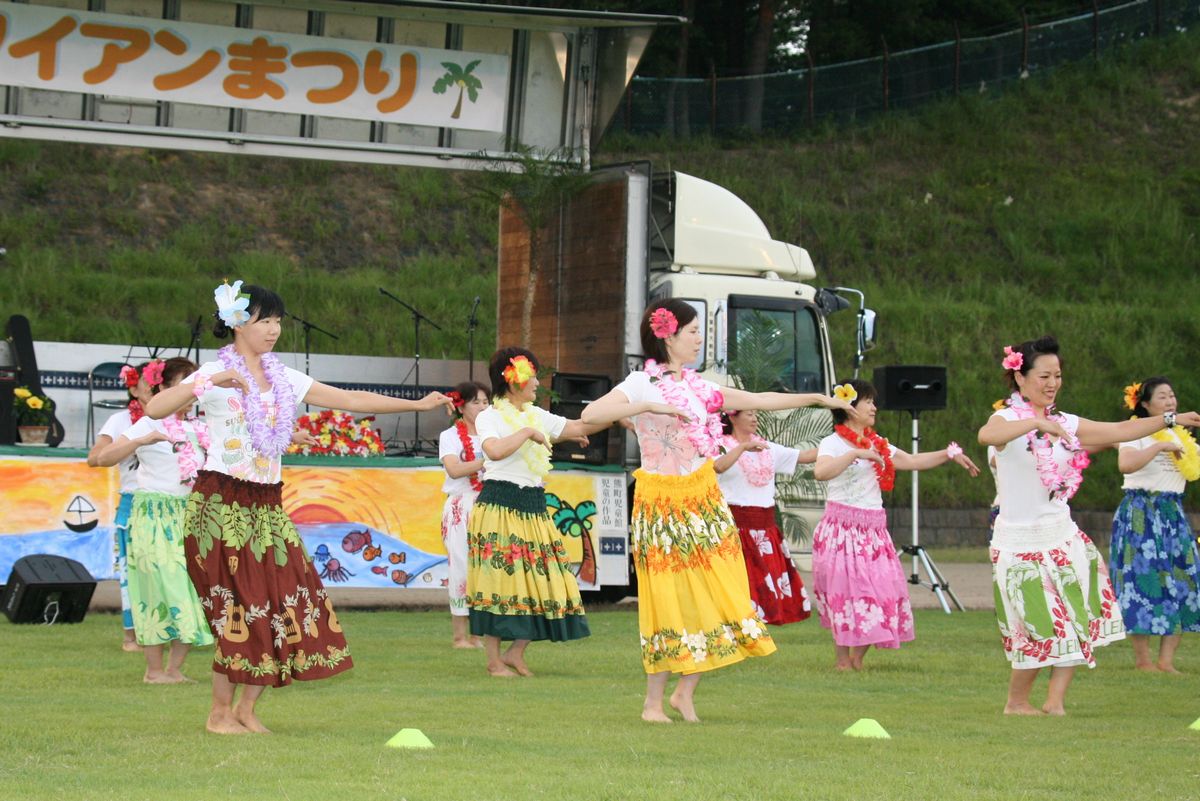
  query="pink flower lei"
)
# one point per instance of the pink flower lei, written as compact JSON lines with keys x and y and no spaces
{"x":705,"y":435}
{"x":189,"y":437}
{"x":271,"y":441}
{"x":1062,"y":483}
{"x":759,"y":468}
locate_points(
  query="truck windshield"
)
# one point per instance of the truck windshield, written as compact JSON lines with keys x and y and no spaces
{"x":775,"y":344}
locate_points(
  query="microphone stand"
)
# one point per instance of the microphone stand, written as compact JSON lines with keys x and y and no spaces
{"x":417,"y":318}
{"x":194,"y":344}
{"x":308,"y":329}
{"x":471,"y":325}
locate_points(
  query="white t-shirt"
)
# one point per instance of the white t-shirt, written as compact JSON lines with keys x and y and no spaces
{"x":158,"y":466}
{"x":127,"y":468}
{"x":1024,"y":499}
{"x":665,"y":448}
{"x":449,"y":444}
{"x":1159,"y":475}
{"x":857,"y":485}
{"x":991,"y":463}
{"x":231,"y":452}
{"x":739,"y":491}
{"x":512,"y":468}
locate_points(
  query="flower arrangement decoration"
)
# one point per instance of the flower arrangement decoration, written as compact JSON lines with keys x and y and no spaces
{"x":31,"y":409}
{"x":153,"y":372}
{"x":232,"y":304}
{"x":663,"y":323}
{"x":519,"y":371}
{"x":1013,"y":360}
{"x":845,"y":392}
{"x":1132,"y":393}
{"x":338,"y":434}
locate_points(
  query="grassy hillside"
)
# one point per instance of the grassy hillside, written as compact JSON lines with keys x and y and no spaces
{"x":1069,"y":205}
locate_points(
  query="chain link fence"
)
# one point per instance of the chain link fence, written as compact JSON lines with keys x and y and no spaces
{"x":785,"y":101}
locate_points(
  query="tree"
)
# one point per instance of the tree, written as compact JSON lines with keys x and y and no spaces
{"x":534,"y":186}
{"x":457,"y":75}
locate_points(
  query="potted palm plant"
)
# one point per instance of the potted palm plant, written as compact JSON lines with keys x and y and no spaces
{"x":33,"y":413}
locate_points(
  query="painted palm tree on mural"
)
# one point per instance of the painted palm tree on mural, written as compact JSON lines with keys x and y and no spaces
{"x":456,"y":75}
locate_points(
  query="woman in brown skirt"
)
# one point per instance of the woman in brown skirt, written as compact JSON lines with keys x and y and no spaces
{"x":270,"y":614}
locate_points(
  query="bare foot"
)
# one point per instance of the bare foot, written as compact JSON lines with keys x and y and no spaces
{"x":1056,"y":711}
{"x":1170,"y":669}
{"x":843,"y":666}
{"x":250,"y":721}
{"x":685,"y":708}
{"x":517,"y":664}
{"x":1148,"y":667}
{"x":501,"y":672}
{"x":1021,"y":709}
{"x":464,"y":644}
{"x":131,"y":647}
{"x":177,"y":677}
{"x":476,"y":642}
{"x":224,"y":724}
{"x":157,"y":678}
{"x":655,"y":716}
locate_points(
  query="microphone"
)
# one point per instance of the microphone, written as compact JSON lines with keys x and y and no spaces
{"x":474,"y":308}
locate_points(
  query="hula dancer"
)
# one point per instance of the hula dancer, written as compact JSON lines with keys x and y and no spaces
{"x":746,"y":474}
{"x":1155,"y":564}
{"x":139,"y":395}
{"x":694,"y":607}
{"x":462,"y":457}
{"x":169,"y":453}
{"x":270,"y":613}
{"x":858,"y":581}
{"x":1054,"y":601}
{"x":520,"y":586}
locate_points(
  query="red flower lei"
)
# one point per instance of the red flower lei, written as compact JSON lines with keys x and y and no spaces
{"x":136,"y":412}
{"x":886,"y":472}
{"x":468,"y":452}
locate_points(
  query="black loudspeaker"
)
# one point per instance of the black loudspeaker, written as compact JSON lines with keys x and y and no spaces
{"x":910,"y":388}
{"x":47,"y":589}
{"x":574,"y":391}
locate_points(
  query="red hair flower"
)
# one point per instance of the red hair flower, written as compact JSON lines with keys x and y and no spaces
{"x":456,"y":399}
{"x":129,"y":376}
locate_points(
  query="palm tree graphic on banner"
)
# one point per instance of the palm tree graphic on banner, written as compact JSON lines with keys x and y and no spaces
{"x":461,"y":77}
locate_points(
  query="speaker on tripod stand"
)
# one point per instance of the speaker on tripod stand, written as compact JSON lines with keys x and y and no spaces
{"x":915,"y":389}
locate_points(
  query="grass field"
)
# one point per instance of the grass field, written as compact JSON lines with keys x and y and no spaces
{"x":78,"y":724}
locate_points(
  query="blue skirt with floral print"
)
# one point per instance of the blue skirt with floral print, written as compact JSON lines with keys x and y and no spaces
{"x":1155,"y":564}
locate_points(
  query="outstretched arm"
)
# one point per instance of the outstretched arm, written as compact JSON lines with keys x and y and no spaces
{"x":1092,"y":432}
{"x":924,"y":461}
{"x":371,"y":402}
{"x":740,"y":400}
{"x":182,"y":395}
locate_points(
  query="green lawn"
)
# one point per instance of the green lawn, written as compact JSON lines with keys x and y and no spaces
{"x":78,"y":724}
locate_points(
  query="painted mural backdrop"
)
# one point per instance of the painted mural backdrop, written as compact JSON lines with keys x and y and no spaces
{"x":364,"y":526}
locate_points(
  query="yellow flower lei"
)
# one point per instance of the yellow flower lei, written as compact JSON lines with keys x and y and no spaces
{"x":537,"y":457}
{"x":1188,"y":462}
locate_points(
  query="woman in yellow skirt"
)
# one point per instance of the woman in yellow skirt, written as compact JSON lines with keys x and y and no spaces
{"x":519,"y":581}
{"x":694,"y":608}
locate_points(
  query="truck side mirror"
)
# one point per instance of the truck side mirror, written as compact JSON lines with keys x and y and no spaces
{"x":866,"y":330}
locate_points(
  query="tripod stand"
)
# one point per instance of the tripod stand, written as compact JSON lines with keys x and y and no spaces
{"x":308,"y":329}
{"x":920,"y":557}
{"x":417,"y":316}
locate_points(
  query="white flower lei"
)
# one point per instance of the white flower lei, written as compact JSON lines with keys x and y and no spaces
{"x":535,"y":455}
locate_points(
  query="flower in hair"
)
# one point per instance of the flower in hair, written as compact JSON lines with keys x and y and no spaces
{"x":153,"y":372}
{"x":1013,"y":360}
{"x":519,"y":371}
{"x":1132,"y":393}
{"x":130,"y":376}
{"x":1000,"y":404}
{"x":232,"y":304}
{"x":663,"y":323}
{"x":846,"y":392}
{"x":458,"y":400}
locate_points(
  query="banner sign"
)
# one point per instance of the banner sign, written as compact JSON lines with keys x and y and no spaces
{"x":185,"y":62}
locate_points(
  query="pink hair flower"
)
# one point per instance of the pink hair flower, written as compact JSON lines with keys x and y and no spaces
{"x":154,"y":373}
{"x":663,"y":323}
{"x":1013,"y":360}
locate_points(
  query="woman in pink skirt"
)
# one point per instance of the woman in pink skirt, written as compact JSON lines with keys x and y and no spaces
{"x":858,"y":582}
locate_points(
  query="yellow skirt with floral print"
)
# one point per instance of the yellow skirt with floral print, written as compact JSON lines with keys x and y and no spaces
{"x":694,"y":607}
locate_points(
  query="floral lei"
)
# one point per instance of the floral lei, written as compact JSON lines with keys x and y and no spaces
{"x":136,"y":412}
{"x":271,"y":441}
{"x":886,"y":472}
{"x":705,"y":435}
{"x":189,"y":437}
{"x":1188,"y":462}
{"x":468,"y":453}
{"x":1061,"y":483}
{"x":759,"y":468}
{"x":536,"y":456}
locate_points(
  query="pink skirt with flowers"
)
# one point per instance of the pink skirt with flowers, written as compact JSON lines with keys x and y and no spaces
{"x":858,"y":582}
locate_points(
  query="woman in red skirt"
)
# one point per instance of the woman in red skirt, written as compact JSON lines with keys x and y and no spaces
{"x":270,"y":614}
{"x":746,"y":474}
